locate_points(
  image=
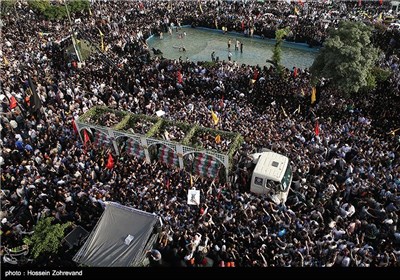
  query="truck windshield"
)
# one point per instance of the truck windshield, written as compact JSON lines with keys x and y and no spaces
{"x":287,"y":179}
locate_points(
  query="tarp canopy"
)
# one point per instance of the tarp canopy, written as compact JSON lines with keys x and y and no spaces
{"x":120,"y":238}
{"x":76,"y":236}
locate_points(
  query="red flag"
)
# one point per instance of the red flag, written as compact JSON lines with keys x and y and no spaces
{"x":242,"y":25}
{"x":28,"y":101}
{"x":74,"y":126}
{"x":316,"y":128}
{"x":141,"y":6}
{"x":380,"y":2}
{"x":295,"y":72}
{"x":110,"y":162}
{"x":85,"y":137}
{"x":179,"y":77}
{"x":13,"y":102}
{"x":255,"y":74}
{"x":219,"y":193}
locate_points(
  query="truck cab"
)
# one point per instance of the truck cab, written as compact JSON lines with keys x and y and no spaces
{"x":272,"y":175}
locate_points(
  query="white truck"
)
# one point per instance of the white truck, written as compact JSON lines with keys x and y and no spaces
{"x":270,"y":174}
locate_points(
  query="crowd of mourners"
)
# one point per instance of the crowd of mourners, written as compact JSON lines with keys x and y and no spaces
{"x":344,"y":202}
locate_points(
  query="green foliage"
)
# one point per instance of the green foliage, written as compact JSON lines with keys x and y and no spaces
{"x":92,"y":113}
{"x":46,"y":237}
{"x":380,"y":27}
{"x":7,"y":6}
{"x":237,"y":143}
{"x":142,"y":122}
{"x":184,"y":126}
{"x":153,"y":130}
{"x":39,"y":5}
{"x":277,"y":52}
{"x":374,"y":76}
{"x":78,"y":5}
{"x":58,"y":11}
{"x":130,"y":120}
{"x":166,"y":124}
{"x":99,"y":114}
{"x":209,"y":64}
{"x":347,"y":58}
{"x":189,"y":135}
{"x":123,"y":123}
{"x":380,"y":74}
{"x":84,"y":46}
{"x":213,"y":133}
{"x":371,"y":82}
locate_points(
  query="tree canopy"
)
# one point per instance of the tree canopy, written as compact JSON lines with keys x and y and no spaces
{"x":46,"y":237}
{"x":277,"y":52}
{"x":348,"y":58}
{"x":58,"y":11}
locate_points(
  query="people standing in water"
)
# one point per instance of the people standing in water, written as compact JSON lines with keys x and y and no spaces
{"x":237,"y":44}
{"x":213,"y":56}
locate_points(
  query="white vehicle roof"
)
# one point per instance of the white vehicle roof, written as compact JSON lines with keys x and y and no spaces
{"x":271,"y":165}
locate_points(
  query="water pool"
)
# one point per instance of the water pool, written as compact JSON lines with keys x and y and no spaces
{"x":201,"y":42}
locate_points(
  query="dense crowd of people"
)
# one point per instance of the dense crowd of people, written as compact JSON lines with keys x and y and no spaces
{"x":343,"y":206}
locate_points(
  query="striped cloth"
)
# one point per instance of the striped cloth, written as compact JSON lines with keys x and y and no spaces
{"x":168,"y":156}
{"x":133,"y":148}
{"x":101,"y":140}
{"x":205,"y":166}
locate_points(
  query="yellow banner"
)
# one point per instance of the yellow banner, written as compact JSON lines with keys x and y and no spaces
{"x":313,"y":95}
{"x":214,"y":117}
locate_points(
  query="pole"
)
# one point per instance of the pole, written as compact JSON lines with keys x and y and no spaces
{"x":76,"y":47}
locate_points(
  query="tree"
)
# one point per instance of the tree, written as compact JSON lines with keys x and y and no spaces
{"x":277,"y":52}
{"x":46,"y":237}
{"x":7,"y":6}
{"x":347,"y":58}
{"x":58,"y":11}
